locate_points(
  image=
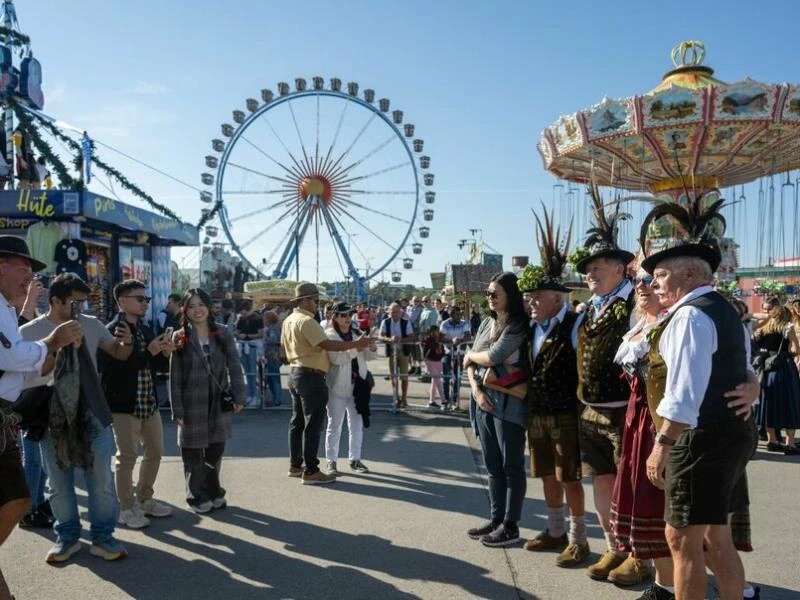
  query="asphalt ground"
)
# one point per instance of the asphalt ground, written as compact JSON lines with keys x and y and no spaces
{"x":398,"y":531}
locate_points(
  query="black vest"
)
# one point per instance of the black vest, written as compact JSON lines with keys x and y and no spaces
{"x":554,"y":373}
{"x":728,"y":363}
{"x":600,"y":379}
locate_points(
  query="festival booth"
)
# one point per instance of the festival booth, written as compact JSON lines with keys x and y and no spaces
{"x":101,"y":239}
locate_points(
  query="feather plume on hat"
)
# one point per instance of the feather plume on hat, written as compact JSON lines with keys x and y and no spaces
{"x":553,"y":252}
{"x":695,"y":224}
{"x":601,"y":240}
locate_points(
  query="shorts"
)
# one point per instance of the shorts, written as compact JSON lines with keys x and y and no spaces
{"x":601,"y":439}
{"x":553,"y":443}
{"x":12,"y":477}
{"x":706,"y":479}
{"x":402,"y":364}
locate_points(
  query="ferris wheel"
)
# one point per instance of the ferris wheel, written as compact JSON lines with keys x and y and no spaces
{"x":318,"y":183}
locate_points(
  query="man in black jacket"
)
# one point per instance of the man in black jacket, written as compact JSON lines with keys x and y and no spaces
{"x":130,"y":391}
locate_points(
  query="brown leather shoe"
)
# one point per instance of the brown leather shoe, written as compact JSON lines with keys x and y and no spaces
{"x":630,"y":572}
{"x":573,"y":556}
{"x":543,"y":541}
{"x":608,"y":562}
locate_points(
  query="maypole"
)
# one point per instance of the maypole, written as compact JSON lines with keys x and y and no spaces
{"x":9,"y":19}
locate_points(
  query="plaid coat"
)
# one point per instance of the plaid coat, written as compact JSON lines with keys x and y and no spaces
{"x":204,"y":422}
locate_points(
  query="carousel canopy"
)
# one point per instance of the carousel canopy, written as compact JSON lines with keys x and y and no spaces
{"x":690,"y":125}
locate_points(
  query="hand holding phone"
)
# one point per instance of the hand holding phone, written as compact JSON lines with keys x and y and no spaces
{"x":74,"y":310}
{"x":168,"y":333}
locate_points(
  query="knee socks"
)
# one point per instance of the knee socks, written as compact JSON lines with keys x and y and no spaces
{"x":555,"y":521}
{"x":577,"y":529}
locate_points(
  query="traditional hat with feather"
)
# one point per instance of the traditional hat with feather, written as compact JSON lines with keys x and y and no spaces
{"x":554,"y":252}
{"x":697,"y":227}
{"x":602,"y":238}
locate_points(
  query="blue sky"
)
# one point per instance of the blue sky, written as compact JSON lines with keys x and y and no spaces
{"x":480,"y":80}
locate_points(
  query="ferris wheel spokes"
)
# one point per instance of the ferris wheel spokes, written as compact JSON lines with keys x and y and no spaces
{"x":299,"y":137}
{"x":291,"y":251}
{"x":286,"y":148}
{"x":337,"y":238}
{"x":376,"y":211}
{"x":254,"y":172}
{"x":373,"y":174}
{"x":344,"y":211}
{"x":280,"y":164}
{"x":276,"y":222}
{"x":285,"y":202}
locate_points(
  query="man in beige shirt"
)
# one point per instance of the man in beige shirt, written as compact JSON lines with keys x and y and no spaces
{"x":304,"y":344}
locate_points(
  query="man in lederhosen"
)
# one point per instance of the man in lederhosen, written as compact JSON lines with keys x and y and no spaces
{"x":553,"y":402}
{"x":702,"y":446}
{"x":601,"y":386}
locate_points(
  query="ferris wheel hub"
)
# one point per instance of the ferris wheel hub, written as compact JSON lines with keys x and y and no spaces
{"x":316,"y":186}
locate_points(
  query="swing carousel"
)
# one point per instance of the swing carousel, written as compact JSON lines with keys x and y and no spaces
{"x":693,"y":134}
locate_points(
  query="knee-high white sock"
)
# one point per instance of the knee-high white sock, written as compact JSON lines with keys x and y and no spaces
{"x":555,"y":521}
{"x":577,"y":529}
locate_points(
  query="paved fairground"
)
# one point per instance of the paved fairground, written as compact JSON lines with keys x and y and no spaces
{"x":397,"y":532}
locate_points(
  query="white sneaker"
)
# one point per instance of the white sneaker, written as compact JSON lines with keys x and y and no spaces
{"x":154,"y":508}
{"x":202,"y":508}
{"x":133,"y":518}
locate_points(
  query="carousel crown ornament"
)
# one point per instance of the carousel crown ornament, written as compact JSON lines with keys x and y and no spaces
{"x":602,"y":238}
{"x":554,"y":252}
{"x":698,"y":227}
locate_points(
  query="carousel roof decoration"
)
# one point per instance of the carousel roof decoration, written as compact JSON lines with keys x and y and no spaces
{"x":722,"y":134}
{"x":697,"y":229}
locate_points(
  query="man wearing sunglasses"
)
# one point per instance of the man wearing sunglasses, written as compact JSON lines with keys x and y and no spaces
{"x":130,"y":390}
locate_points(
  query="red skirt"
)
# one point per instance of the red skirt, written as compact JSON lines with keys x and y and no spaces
{"x":637,"y":506}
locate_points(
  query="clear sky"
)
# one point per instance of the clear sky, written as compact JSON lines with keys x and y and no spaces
{"x":480,"y":80}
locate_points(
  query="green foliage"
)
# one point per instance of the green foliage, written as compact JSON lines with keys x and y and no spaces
{"x":530,"y":277}
{"x":770,"y":287}
{"x":577,"y":255}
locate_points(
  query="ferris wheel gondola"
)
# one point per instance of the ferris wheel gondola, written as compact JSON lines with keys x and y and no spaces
{"x":317,"y":183}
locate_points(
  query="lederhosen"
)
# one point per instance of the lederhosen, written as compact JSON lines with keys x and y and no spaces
{"x":552,"y":403}
{"x":705,"y":478}
{"x":601,"y":380}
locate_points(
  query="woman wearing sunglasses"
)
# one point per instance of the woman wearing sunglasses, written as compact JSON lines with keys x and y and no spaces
{"x":500,"y":420}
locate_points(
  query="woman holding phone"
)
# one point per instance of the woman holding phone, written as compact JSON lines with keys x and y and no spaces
{"x":206,"y":386}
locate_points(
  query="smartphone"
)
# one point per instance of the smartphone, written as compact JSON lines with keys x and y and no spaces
{"x":74,"y":310}
{"x":168,"y":333}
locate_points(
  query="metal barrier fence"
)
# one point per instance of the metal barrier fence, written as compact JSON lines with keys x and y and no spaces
{"x":452,"y":378}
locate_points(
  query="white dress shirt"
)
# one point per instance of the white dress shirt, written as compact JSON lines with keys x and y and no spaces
{"x":540,"y":334}
{"x":687,"y":344}
{"x":17,"y":356}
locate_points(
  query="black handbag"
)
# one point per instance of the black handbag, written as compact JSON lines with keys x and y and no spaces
{"x":226,"y":395}
{"x":34,"y":406}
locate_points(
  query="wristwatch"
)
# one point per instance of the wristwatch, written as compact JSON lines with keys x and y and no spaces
{"x":664,"y":439}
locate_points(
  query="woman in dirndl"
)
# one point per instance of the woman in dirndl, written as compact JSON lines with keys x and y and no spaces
{"x":779,"y":407}
{"x":637,"y":506}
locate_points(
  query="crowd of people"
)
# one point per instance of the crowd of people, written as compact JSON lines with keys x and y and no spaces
{"x":628,"y":389}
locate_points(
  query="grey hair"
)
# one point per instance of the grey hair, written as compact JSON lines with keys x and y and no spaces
{"x":696,"y":264}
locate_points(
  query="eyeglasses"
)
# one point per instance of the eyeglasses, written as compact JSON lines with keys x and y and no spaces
{"x":140,"y":299}
{"x":647,"y":280}
{"x":491,"y":294}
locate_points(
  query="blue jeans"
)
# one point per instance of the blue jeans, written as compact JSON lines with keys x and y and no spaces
{"x":34,"y":473}
{"x":249,"y":364}
{"x":273,"y":370}
{"x":503,"y":447}
{"x":451,"y":375}
{"x":103,"y":504}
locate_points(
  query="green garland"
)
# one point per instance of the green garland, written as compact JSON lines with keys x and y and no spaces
{"x":16,"y":38}
{"x":109,"y":170}
{"x":27,"y":125}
